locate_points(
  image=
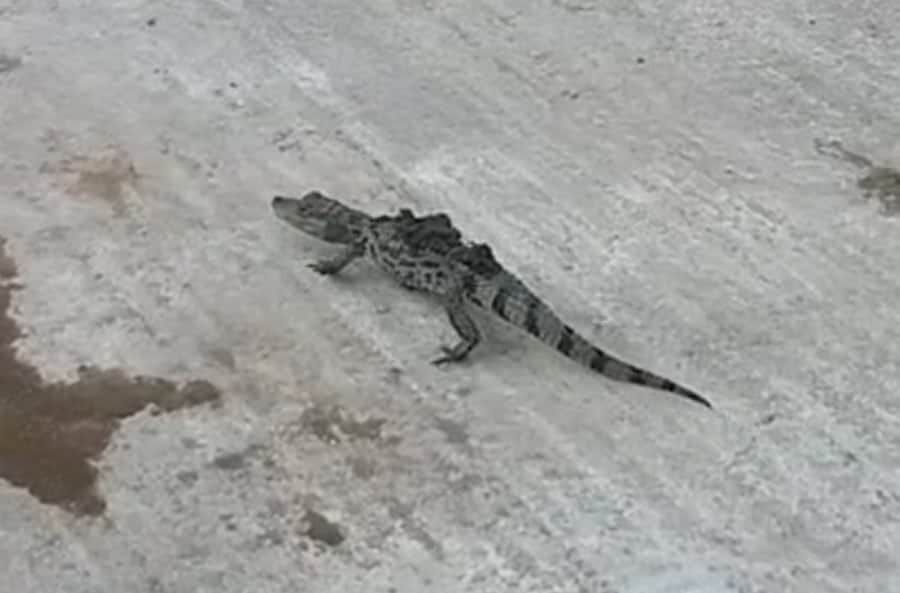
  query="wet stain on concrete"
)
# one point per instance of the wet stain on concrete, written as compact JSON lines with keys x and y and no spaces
{"x":51,"y":433}
{"x":224,"y":357}
{"x":238,"y":460}
{"x":8,"y":270}
{"x":9,"y":63}
{"x":363,"y":468}
{"x":188,"y":477}
{"x":105,"y":175}
{"x":230,"y":461}
{"x":881,"y":183}
{"x":453,"y":431}
{"x":331,"y":424}
{"x":320,"y":529}
{"x":884,"y":184}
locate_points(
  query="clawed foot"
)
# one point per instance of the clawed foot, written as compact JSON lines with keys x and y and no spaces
{"x":322,"y":267}
{"x":450,"y":355}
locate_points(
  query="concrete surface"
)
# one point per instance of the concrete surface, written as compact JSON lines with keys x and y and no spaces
{"x":667,"y":174}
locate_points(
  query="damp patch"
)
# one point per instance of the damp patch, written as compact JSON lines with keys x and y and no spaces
{"x":51,"y":434}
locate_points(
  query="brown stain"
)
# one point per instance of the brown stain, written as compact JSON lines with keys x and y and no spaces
{"x":363,"y":468}
{"x":238,"y":460}
{"x":319,"y":528}
{"x":224,"y":357}
{"x":882,"y":183}
{"x":105,"y":175}
{"x":230,"y":461}
{"x":454,"y":431}
{"x":9,"y":63}
{"x":51,"y":433}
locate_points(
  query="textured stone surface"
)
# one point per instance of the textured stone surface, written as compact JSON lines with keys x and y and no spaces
{"x":657,"y":171}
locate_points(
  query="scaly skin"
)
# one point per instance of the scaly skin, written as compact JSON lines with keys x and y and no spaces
{"x":427,"y":254}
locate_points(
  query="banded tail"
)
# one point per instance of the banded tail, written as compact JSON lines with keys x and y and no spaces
{"x":511,"y":300}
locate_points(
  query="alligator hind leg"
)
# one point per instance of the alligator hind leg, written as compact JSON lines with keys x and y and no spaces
{"x":465,"y":327}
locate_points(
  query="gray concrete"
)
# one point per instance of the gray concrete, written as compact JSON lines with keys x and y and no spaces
{"x":650,"y":168}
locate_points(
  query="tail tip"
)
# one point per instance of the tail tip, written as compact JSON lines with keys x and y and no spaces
{"x":694,"y":397}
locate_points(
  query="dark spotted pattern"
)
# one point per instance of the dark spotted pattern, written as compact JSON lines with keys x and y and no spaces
{"x":599,"y":361}
{"x":531,"y":320}
{"x":566,"y":342}
{"x":428,"y":254}
{"x":498,"y":305}
{"x":470,"y":288}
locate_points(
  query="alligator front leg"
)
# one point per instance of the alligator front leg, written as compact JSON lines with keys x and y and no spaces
{"x":465,"y":327}
{"x":335,"y":264}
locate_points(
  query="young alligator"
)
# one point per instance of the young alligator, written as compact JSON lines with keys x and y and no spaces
{"x":428,"y":254}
